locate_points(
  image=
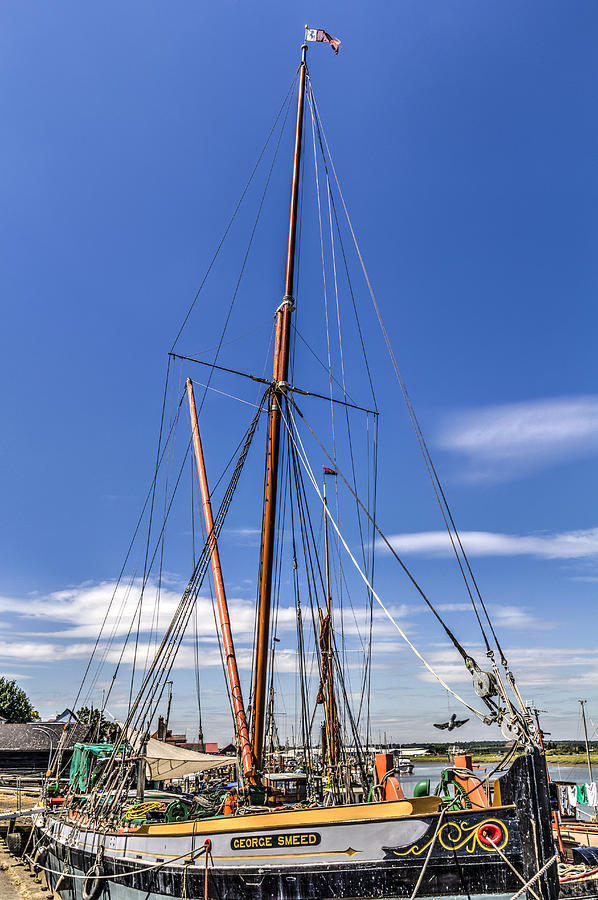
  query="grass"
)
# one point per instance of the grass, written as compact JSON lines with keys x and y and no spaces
{"x":553,"y":757}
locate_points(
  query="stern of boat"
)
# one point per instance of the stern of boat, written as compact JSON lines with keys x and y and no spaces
{"x":525,"y":785}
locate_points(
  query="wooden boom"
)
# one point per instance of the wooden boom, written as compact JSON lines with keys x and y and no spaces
{"x":227,"y":636}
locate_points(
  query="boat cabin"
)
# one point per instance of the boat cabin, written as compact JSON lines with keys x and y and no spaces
{"x":285,"y":787}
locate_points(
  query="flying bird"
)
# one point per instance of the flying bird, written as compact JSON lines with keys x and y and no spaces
{"x":453,"y":722}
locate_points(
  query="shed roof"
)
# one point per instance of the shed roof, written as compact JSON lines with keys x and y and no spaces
{"x":30,"y":736}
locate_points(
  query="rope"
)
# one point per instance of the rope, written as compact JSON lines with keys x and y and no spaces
{"x":307,"y":467}
{"x":429,"y":854}
{"x":536,"y":877}
{"x":467,"y":658}
{"x":149,"y":695}
{"x":511,"y":866}
{"x":286,"y":101}
{"x":115,"y":876}
{"x":440,"y":495}
{"x":569,"y":872}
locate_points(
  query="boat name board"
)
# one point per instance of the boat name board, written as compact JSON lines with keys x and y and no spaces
{"x":304,"y":839}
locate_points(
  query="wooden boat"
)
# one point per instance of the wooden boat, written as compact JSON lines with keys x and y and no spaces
{"x":474,"y":840}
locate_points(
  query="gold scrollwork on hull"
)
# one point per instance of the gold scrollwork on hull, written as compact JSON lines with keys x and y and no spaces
{"x":459,"y":835}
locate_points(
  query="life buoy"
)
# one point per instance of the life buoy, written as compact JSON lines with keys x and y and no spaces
{"x":490,"y":834}
{"x":93,"y":883}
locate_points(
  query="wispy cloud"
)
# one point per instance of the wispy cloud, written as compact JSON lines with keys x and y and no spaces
{"x":506,"y":441}
{"x":564,"y":545}
{"x":63,"y":625}
{"x":552,"y":667}
{"x":518,"y":617}
{"x":78,"y":612}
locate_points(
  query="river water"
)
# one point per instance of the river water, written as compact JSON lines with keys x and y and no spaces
{"x":576,"y":774}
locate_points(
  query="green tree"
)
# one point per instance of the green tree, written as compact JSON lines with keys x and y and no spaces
{"x":93,"y":718}
{"x":14,"y":703}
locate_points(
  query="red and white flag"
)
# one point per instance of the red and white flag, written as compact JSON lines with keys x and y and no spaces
{"x":318,"y":34}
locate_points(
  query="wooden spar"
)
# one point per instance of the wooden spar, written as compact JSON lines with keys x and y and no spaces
{"x":279,"y":377}
{"x":227,"y":637}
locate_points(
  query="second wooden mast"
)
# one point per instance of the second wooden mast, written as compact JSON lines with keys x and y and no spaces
{"x":279,"y":380}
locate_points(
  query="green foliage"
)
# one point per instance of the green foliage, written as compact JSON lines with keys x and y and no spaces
{"x":14,"y":703}
{"x":94,"y":718}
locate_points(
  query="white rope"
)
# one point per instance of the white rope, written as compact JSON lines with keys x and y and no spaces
{"x":390,"y":349}
{"x":429,"y":854}
{"x":535,"y":878}
{"x":511,"y":866}
{"x":305,"y":462}
{"x":113,"y":877}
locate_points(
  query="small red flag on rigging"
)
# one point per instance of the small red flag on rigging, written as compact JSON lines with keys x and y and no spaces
{"x":318,"y":34}
{"x":329,"y":471}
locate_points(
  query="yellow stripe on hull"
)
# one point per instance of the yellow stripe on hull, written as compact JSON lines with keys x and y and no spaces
{"x":298,"y":818}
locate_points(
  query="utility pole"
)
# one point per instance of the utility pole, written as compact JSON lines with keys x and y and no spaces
{"x":582,"y":703}
{"x":555,"y":816}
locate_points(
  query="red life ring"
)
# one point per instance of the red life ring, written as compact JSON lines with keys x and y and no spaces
{"x":490,"y":834}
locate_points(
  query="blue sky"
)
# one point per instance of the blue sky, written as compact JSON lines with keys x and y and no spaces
{"x":465,"y":139}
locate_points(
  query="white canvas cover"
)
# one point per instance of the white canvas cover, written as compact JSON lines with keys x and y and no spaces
{"x":169,"y":761}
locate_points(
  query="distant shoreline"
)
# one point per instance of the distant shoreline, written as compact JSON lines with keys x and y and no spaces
{"x":553,"y":759}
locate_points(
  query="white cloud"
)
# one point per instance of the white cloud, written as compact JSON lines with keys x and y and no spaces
{"x":82,"y":610}
{"x":42,"y":651}
{"x":566,"y":545}
{"x":62,"y":627}
{"x":505,"y":441}
{"x":518,"y":617}
{"x":550,"y":668}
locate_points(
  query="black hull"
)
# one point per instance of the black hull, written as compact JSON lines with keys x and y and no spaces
{"x":458,"y":864}
{"x":459,"y":876}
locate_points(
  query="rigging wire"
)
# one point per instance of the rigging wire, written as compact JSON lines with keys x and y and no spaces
{"x":441,"y":497}
{"x":153,"y":486}
{"x":467,"y":658}
{"x":224,"y":393}
{"x":332,"y":213}
{"x":284,"y":103}
{"x":149,"y":694}
{"x":305,"y":462}
{"x":149,"y":494}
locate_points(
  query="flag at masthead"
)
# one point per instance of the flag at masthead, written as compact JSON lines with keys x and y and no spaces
{"x":318,"y":34}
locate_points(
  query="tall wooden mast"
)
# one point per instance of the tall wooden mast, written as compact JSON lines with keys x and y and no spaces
{"x":279,"y":378}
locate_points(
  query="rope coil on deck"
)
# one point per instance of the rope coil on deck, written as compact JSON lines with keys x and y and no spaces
{"x":569,"y":872}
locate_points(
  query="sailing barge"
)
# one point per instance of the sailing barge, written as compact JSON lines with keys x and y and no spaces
{"x":116,"y":842}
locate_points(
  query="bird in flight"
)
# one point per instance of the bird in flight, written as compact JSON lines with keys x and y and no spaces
{"x":453,"y":722}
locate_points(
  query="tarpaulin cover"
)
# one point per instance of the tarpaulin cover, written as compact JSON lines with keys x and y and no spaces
{"x":169,"y":761}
